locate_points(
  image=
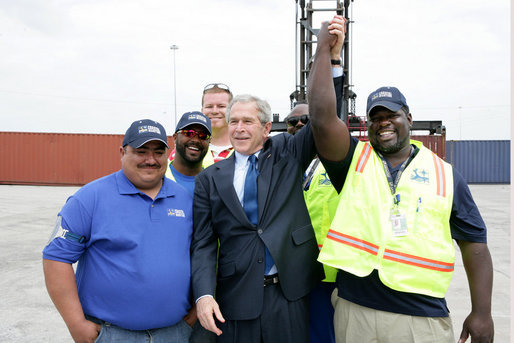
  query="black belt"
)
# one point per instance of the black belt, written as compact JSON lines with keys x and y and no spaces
{"x":270,"y":279}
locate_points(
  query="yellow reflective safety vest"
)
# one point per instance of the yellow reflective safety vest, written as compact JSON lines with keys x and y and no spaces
{"x":322,"y":199}
{"x":169,"y":174}
{"x":361,"y":237}
{"x":207,"y":161}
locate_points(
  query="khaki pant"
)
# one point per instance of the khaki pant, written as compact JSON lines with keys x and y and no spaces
{"x":358,"y":324}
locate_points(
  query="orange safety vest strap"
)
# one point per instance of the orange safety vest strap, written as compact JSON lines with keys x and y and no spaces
{"x":440,"y":176}
{"x":363,"y":158}
{"x":418,"y":261}
{"x":222,"y":155}
{"x":353,"y":241}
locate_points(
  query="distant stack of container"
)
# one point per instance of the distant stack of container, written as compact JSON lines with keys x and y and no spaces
{"x":480,"y":161}
{"x":76,"y":159}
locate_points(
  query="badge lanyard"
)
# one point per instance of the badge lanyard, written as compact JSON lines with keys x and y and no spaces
{"x":398,"y":220}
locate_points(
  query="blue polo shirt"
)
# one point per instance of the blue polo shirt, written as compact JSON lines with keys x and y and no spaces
{"x":134,"y":266}
{"x":186,"y":181}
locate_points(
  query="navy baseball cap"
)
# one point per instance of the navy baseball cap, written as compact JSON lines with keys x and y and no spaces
{"x":191,"y":118}
{"x":143,"y":131}
{"x":388,"y":97}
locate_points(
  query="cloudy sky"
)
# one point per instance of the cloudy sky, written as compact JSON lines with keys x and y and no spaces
{"x":94,"y":66}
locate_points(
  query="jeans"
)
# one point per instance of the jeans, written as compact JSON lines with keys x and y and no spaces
{"x":109,"y":333}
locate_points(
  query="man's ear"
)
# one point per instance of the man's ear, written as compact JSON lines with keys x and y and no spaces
{"x":409,"y":118}
{"x":267,"y":127}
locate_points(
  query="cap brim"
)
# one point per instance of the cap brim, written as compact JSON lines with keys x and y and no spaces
{"x":193,"y":123}
{"x":392,"y":106}
{"x":138,"y":143}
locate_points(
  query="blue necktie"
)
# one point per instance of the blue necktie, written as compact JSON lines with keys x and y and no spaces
{"x":250,"y":203}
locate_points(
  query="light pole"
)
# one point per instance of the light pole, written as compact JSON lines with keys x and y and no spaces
{"x":174,"y":47}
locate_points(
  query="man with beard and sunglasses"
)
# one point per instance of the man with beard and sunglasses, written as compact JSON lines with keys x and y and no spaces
{"x":192,"y":137}
{"x":130,"y":233}
{"x":400,"y":208}
{"x":215,"y":100}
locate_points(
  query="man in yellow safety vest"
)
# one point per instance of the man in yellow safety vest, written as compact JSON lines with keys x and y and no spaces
{"x":392,"y":236}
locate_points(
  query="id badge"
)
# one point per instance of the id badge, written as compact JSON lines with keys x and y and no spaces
{"x":399,"y":224}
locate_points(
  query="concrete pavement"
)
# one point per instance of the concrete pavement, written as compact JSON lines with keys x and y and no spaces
{"x":28,"y":215}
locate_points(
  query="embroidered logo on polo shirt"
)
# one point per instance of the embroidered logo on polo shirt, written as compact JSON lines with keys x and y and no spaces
{"x":176,"y":213}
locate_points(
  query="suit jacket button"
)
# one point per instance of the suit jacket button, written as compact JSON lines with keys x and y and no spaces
{"x":260,"y":260}
{"x":259,"y":231}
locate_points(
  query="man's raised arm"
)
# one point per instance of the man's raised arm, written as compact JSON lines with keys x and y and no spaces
{"x":330,"y":133}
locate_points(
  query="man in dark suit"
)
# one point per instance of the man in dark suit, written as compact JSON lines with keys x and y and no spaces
{"x":267,"y":253}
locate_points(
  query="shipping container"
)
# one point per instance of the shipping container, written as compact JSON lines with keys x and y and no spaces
{"x":76,"y":159}
{"x":480,"y":161}
{"x":58,"y":158}
{"x":436,"y":143}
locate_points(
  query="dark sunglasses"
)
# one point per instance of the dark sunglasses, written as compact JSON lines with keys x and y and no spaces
{"x":216,"y":85}
{"x":191,"y":133}
{"x":292,"y":121}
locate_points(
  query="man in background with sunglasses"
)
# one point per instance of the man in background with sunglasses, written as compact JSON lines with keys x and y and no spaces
{"x":298,"y":118}
{"x":215,"y":100}
{"x":192,"y":137}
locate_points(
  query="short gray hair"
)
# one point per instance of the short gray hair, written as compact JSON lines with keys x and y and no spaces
{"x":263,"y":107}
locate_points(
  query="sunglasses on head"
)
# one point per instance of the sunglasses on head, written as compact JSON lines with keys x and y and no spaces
{"x":216,"y":85}
{"x":292,"y":121}
{"x":191,"y":133}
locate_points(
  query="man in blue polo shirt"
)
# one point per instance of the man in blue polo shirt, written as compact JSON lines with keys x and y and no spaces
{"x":130,"y":232}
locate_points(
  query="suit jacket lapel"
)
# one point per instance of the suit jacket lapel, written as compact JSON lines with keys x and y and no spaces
{"x":224,"y":181}
{"x":264,"y":180}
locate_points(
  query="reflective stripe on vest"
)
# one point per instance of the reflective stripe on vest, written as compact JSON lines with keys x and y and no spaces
{"x":363,"y":158}
{"x":353,"y":241}
{"x":440,"y":176}
{"x":390,"y":254}
{"x":418,"y":261}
